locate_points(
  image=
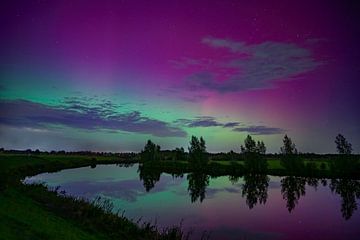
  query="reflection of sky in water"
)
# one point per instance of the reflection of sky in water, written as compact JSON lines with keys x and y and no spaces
{"x":223,"y":212}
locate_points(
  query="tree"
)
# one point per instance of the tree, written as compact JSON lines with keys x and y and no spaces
{"x":342,"y":145}
{"x":249,"y":145}
{"x":261,"y":147}
{"x":253,"y":161}
{"x":289,"y":147}
{"x":151,"y":151}
{"x":197,"y":151}
{"x":290,"y":160}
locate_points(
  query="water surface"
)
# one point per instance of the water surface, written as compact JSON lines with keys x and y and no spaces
{"x":229,"y":207}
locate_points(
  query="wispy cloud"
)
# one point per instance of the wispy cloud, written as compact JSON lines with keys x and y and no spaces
{"x":252,"y":66}
{"x":231,"y":124}
{"x":209,"y":121}
{"x":260,"y":130}
{"x":205,"y":121}
{"x":76,"y":113}
{"x":233,"y":46}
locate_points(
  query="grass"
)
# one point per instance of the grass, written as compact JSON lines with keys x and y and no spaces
{"x":23,"y":218}
{"x":34,"y":212}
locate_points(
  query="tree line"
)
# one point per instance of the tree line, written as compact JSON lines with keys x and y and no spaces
{"x":198,"y":155}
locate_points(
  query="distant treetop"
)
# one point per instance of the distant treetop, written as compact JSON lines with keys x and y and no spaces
{"x":288,"y":147}
{"x":342,"y":145}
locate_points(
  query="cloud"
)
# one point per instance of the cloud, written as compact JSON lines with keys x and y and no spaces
{"x":231,"y":124}
{"x":204,"y":121}
{"x":76,"y":113}
{"x":260,"y":130}
{"x":224,"y":43}
{"x":252,"y":66}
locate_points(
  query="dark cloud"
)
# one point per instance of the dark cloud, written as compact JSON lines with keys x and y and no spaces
{"x":260,"y":130}
{"x":78,"y":114}
{"x":255,"y":66}
{"x":231,"y":124}
{"x":204,"y":121}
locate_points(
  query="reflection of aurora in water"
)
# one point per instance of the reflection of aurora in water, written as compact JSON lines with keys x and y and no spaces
{"x":254,"y":206}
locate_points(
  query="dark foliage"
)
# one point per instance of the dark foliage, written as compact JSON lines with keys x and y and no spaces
{"x":342,"y":145}
{"x":255,"y":189}
{"x":149,"y":176}
{"x":349,"y":191}
{"x":250,"y":146}
{"x":289,"y":147}
{"x":197,"y":152}
{"x":150,"y":152}
{"x":197,"y":185}
{"x":292,"y":188}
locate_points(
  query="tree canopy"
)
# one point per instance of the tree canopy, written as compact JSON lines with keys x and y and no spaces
{"x":289,"y":147}
{"x":342,"y":145}
{"x":197,"y":151}
{"x":250,"y":146}
{"x":151,"y":151}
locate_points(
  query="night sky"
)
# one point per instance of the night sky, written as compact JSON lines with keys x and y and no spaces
{"x":108,"y":75}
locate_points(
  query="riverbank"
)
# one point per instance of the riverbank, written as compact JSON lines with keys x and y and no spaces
{"x":40,"y":213}
{"x":34,"y":212}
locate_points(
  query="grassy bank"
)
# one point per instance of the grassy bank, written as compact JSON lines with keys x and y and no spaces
{"x":34,"y":212}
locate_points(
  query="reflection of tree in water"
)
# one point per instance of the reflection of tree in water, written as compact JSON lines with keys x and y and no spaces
{"x":126,"y":165}
{"x":312,"y":182}
{"x":324,"y":182}
{"x":255,"y":189}
{"x":149,"y":176}
{"x":177,"y":175}
{"x":197,"y":185}
{"x":349,"y":191}
{"x":292,"y":188}
{"x":233,"y":179}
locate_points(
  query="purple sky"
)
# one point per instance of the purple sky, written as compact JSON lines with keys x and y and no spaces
{"x":169,"y":69}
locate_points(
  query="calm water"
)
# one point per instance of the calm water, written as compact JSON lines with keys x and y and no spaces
{"x":249,"y":207}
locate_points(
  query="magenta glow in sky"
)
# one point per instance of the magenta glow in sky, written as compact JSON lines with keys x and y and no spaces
{"x":107,"y":75}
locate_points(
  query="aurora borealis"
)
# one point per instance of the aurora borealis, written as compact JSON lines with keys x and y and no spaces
{"x":108,"y":75}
